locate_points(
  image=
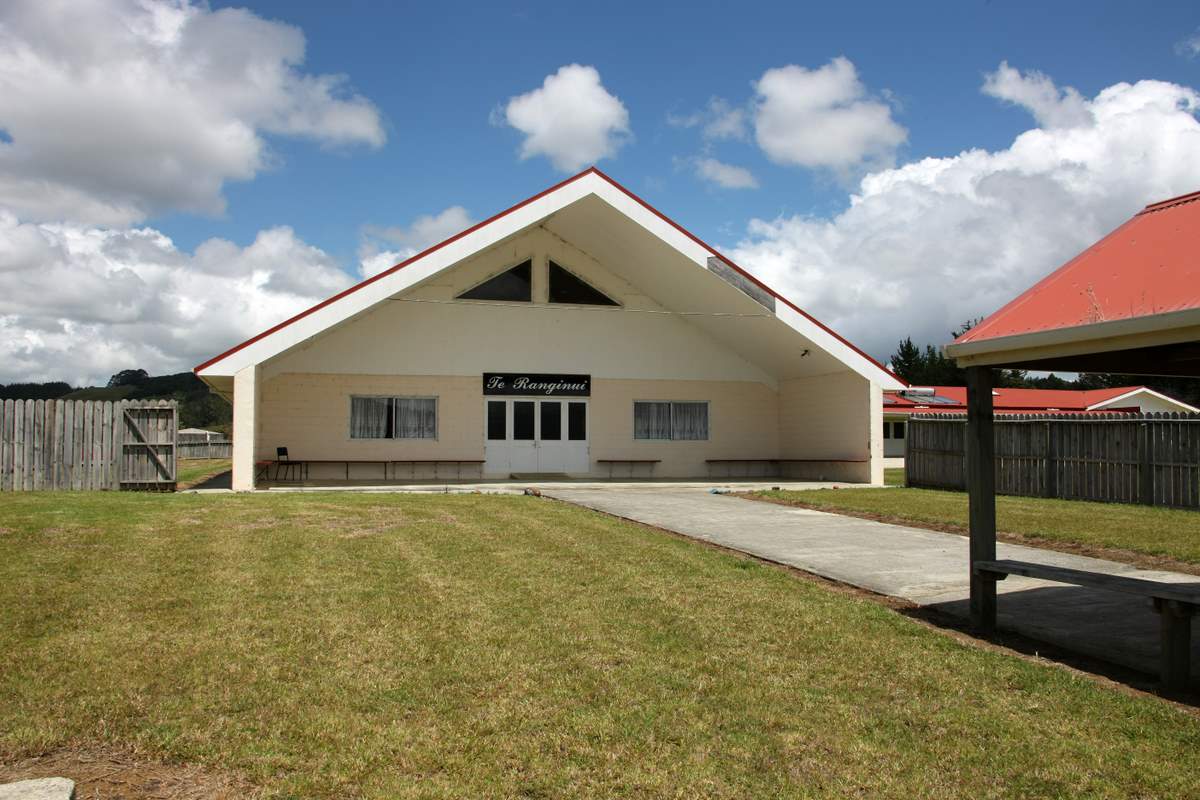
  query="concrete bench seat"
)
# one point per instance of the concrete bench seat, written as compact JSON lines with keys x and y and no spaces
{"x":1175,"y":603}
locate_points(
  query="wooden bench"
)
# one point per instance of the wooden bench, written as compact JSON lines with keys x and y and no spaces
{"x":630,"y":461}
{"x":413,"y":462}
{"x":304,"y":464}
{"x":1174,"y":602}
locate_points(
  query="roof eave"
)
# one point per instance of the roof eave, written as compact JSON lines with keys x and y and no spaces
{"x":1098,"y":337}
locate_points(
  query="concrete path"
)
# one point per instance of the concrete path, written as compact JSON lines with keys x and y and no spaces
{"x":926,"y":567}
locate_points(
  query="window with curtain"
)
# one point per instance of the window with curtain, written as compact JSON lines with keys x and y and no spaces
{"x":371,"y":418}
{"x":672,"y":421}
{"x":689,"y":421}
{"x":416,"y":418}
{"x":393,"y":417}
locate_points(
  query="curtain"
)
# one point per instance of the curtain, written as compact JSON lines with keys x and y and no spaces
{"x":416,"y":418}
{"x":651,"y":420}
{"x":689,"y":421}
{"x":369,"y":417}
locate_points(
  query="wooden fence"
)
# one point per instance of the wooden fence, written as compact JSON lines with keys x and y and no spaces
{"x":204,"y":449}
{"x":87,"y":445}
{"x":1153,"y":459}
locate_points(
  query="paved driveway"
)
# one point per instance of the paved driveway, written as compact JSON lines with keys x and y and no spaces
{"x":925,"y":567}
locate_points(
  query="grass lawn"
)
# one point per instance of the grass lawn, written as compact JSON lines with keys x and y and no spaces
{"x":380,"y":646}
{"x":1158,"y":532}
{"x":190,"y":471}
{"x":893,"y":476}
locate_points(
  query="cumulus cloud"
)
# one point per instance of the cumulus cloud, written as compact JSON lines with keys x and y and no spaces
{"x":717,"y":120}
{"x":1050,"y":106}
{"x":727,"y":176}
{"x":823,"y":118}
{"x":932,"y":243}
{"x":138,"y":107}
{"x":571,"y":119}
{"x":79,"y":303}
{"x":386,"y":246}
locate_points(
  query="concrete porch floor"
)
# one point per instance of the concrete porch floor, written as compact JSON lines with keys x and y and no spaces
{"x":549,"y":486}
{"x":924,"y":567}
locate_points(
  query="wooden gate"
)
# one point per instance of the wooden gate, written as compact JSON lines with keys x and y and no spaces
{"x":148,"y":452}
{"x":87,"y":445}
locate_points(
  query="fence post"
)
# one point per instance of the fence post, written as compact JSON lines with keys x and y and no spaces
{"x":1050,"y":482}
{"x":1146,"y":464}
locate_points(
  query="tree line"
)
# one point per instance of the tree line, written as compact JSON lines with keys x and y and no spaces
{"x":198,"y":406}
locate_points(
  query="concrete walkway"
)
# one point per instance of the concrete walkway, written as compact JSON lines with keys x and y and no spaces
{"x":925,"y":567}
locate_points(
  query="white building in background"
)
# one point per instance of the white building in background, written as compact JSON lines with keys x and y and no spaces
{"x":578,"y":333}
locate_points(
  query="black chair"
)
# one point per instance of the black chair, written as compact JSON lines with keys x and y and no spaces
{"x":284,"y":464}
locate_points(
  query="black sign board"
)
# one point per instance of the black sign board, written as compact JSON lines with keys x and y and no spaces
{"x":535,"y":384}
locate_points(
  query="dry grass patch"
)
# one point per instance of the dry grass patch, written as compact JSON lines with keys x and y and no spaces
{"x":107,"y":774}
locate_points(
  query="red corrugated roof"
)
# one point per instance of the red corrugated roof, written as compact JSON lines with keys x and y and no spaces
{"x":1006,"y":400}
{"x":1147,"y":266}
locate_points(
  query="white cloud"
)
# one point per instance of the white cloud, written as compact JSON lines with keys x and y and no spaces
{"x":935,"y":242}
{"x":823,"y":118}
{"x":79,"y":303}
{"x":572,"y":119}
{"x":385,"y":246}
{"x":1051,"y":107}
{"x":137,"y":107}
{"x":1189,"y":47}
{"x":727,"y":176}
{"x":717,"y":120}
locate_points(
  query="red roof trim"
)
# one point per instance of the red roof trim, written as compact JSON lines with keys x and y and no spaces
{"x":1170,"y":201}
{"x":522,"y":204}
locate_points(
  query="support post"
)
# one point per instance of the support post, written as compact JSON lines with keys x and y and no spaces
{"x":246,"y":391}
{"x":981,"y":490}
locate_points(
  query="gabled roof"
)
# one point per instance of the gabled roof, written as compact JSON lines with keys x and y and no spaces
{"x":1141,"y":279}
{"x":954,"y":399}
{"x":589,"y":183}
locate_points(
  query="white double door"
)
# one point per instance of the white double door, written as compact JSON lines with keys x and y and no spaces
{"x":535,"y":435}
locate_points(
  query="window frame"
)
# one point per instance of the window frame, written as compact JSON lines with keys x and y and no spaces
{"x":393,"y":405}
{"x":533,"y":265}
{"x":671,"y":426}
{"x":552,"y":262}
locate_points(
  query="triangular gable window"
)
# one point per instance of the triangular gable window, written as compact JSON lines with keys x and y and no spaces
{"x":514,"y":285}
{"x":567,"y":287}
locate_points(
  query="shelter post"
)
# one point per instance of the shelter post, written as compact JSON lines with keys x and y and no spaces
{"x":981,"y":489}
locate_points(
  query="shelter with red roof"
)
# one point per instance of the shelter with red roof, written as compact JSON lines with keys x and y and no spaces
{"x":1129,"y":304}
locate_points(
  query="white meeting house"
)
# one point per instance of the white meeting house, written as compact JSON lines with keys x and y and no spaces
{"x":579,"y":333}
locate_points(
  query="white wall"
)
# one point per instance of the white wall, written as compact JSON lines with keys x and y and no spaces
{"x":427,"y":333}
{"x":838,"y":417}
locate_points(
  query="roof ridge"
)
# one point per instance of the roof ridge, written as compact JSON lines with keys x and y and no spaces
{"x":1190,"y":197}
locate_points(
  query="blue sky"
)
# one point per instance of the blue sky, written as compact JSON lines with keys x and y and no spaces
{"x":176,"y":177}
{"x":437,"y":71}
